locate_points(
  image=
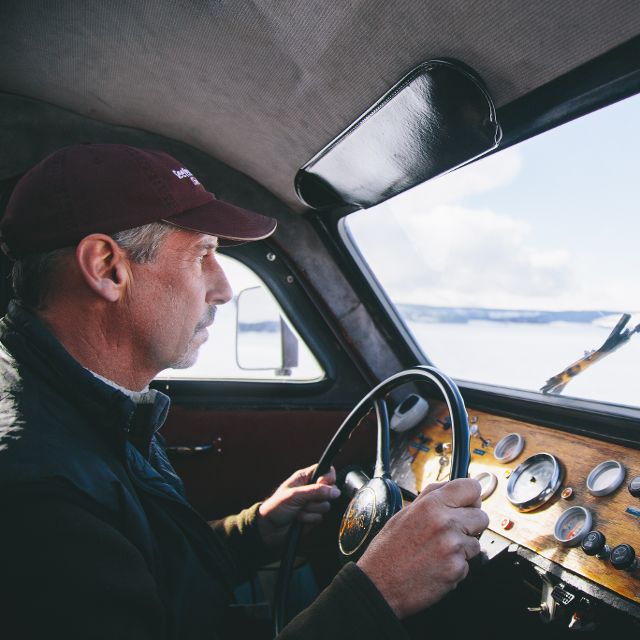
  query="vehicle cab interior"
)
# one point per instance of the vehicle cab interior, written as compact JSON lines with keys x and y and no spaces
{"x":451,"y":290}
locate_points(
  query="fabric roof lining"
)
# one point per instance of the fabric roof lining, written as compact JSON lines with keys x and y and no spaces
{"x":262,"y":86}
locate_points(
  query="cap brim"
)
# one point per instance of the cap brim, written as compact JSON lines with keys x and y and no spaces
{"x":230,"y":224}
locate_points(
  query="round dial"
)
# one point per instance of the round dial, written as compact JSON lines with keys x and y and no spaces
{"x":488,"y":483}
{"x":534,"y":481}
{"x":508,"y":448}
{"x":605,"y":478}
{"x":634,"y":487}
{"x":572,"y":526}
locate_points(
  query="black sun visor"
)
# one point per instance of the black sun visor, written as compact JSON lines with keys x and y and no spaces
{"x":438,"y":117}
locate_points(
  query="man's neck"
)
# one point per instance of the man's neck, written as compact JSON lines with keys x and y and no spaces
{"x":99,"y":348}
{"x":145,"y":396}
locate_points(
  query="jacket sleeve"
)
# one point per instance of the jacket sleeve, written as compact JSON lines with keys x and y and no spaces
{"x":240,"y":535}
{"x":67,"y":574}
{"x":350,"y":607}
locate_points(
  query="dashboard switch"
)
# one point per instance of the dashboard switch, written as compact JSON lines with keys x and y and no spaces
{"x":634,"y":487}
{"x":595,"y":544}
{"x":623,"y":557}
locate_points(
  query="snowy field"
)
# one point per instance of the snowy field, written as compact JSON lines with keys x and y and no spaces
{"x":521,"y":355}
{"x":518,"y":355}
{"x":524,"y":356}
{"x":217,"y":357}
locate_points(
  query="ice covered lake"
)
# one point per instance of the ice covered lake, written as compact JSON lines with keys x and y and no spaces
{"x":524,"y":355}
{"x":520,"y":355}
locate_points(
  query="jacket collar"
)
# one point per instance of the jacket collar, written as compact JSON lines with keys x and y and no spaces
{"x":31,"y":343}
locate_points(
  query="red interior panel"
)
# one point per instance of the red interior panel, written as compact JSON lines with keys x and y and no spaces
{"x":253,"y":451}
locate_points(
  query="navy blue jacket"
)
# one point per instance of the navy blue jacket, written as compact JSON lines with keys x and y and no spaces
{"x":97,"y":539}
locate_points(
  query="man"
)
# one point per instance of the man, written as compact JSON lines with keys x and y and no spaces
{"x":116,"y":279}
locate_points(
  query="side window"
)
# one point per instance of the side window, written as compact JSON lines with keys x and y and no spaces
{"x":251,"y":338}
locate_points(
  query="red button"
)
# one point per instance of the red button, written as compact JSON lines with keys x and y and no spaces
{"x":506,"y":523}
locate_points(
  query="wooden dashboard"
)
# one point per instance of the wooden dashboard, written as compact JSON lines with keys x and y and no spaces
{"x":417,"y":460}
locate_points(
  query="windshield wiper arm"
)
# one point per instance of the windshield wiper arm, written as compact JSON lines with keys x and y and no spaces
{"x":616,"y":339}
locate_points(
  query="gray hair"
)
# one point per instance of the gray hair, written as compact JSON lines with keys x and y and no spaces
{"x":142,"y":243}
{"x":31,"y":275}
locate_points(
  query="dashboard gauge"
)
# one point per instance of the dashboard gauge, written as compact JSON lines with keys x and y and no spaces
{"x":605,"y":478}
{"x":488,"y":483}
{"x":534,"y":481}
{"x":508,"y":448}
{"x":634,"y":487}
{"x":572,"y":526}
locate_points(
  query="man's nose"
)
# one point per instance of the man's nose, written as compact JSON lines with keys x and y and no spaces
{"x":219,"y":290}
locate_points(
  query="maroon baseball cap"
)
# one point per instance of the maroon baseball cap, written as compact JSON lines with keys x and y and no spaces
{"x":106,"y":188}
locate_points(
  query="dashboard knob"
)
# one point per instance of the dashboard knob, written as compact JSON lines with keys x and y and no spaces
{"x":634,"y":487}
{"x":623,"y":557}
{"x":595,"y":544}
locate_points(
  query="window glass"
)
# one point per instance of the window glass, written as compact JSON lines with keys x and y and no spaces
{"x":508,"y":270}
{"x":245,"y":340}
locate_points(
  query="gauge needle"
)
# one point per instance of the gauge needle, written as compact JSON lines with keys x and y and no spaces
{"x":573,"y":531}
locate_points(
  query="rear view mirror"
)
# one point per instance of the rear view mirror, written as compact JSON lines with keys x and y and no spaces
{"x":264,"y":340}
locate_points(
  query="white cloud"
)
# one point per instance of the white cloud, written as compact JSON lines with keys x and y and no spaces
{"x":491,"y":172}
{"x":431,"y":246}
{"x":481,"y":258}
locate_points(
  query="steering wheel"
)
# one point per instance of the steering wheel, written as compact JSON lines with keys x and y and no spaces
{"x":380,"y":498}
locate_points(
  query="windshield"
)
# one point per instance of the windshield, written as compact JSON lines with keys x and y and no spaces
{"x":508,"y":270}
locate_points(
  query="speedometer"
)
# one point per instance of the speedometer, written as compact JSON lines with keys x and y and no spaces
{"x":534,"y":481}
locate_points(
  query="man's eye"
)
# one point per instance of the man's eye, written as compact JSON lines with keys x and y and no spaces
{"x":207,"y":254}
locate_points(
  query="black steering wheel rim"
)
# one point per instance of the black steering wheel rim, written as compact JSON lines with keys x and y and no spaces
{"x":459,"y":468}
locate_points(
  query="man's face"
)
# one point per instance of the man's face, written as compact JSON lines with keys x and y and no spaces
{"x":173,"y":300}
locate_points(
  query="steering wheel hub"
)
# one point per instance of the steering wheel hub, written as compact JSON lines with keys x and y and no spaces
{"x":357,"y":521}
{"x":366,"y":514}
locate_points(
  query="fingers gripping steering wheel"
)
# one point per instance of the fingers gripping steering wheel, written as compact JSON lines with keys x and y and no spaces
{"x":380,"y":498}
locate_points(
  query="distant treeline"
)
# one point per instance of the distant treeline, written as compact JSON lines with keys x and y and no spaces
{"x":270,"y":326}
{"x":422,"y":313}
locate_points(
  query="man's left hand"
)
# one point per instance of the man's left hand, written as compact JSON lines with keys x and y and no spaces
{"x":296,"y":499}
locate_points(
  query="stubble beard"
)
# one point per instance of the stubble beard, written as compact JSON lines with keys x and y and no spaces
{"x":190,"y":354}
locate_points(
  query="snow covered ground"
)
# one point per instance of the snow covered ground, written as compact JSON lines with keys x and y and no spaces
{"x":525,"y":355}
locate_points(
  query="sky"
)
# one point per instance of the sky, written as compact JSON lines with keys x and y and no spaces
{"x":552,"y":224}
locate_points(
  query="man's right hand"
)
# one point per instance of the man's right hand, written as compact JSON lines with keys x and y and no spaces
{"x":422,"y":553}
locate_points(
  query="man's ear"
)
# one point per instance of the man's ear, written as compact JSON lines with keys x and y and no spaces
{"x":104,"y":266}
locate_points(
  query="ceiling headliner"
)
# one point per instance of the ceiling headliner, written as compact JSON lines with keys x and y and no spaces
{"x":263,"y":85}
